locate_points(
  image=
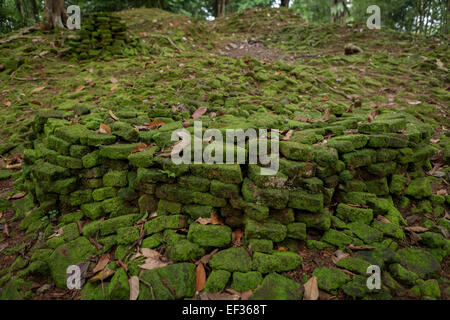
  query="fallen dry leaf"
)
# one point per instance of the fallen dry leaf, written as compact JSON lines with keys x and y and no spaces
{"x":104,"y":128}
{"x":353,"y":247}
{"x":104,"y":260}
{"x":338,"y":255}
{"x":200,"y":277}
{"x":383,"y":219}
{"x":79,"y":88}
{"x":38,"y":89}
{"x":199,"y":112}
{"x":205,"y":259}
{"x":140,"y":147}
{"x":236,"y":237}
{"x":153,"y":259}
{"x":102,"y":275}
{"x":16,"y":196}
{"x":214,"y":219}
{"x":134,"y":287}
{"x":311,"y":289}
{"x":113,"y":115}
{"x":114,"y":87}
{"x":417,"y":229}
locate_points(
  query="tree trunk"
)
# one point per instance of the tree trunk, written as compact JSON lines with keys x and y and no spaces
{"x":20,"y":10}
{"x":55,"y":15}
{"x":220,"y":8}
{"x":34,"y":10}
{"x":285,"y":3}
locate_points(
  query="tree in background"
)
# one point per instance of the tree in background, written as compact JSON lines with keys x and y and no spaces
{"x":339,"y":11}
{"x":55,"y":15}
{"x":284,"y":3}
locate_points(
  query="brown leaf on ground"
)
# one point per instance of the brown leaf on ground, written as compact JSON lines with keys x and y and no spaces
{"x":282,"y":249}
{"x":353,"y":247}
{"x":205,"y":259}
{"x":16,"y":196}
{"x":200,"y":279}
{"x":153,"y":259}
{"x":236,"y":237}
{"x":199,"y":112}
{"x":233,"y":292}
{"x":338,"y":255}
{"x":311,"y":289}
{"x":370,"y":117}
{"x":217,"y":296}
{"x":113,"y":115}
{"x":134,"y":287}
{"x":383,"y":219}
{"x":214,"y":219}
{"x":114,"y":87}
{"x":140,"y":147}
{"x":288,"y":135}
{"x":104,"y":128}
{"x":104,"y":260}
{"x":95,"y":243}
{"x":442,"y":192}
{"x":79,"y":88}
{"x":155,"y":125}
{"x":6,"y":230}
{"x":123,"y":265}
{"x":113,"y":80}
{"x":38,"y":89}
{"x":417,"y":229}
{"x":102,"y":275}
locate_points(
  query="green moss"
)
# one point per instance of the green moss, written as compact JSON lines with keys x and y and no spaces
{"x":330,"y":279}
{"x":419,"y":188}
{"x":304,"y":201}
{"x":112,"y":225}
{"x":127,"y":235}
{"x":271,"y":230}
{"x":428,"y":290}
{"x":224,"y":190}
{"x":419,"y":261}
{"x":209,"y":235}
{"x":93,"y":210}
{"x":115,"y":179}
{"x":70,"y":231}
{"x":353,"y":264}
{"x":246,"y":281}
{"x":354,"y":214}
{"x":165,"y":222}
{"x":277,"y":287}
{"x":217,"y":281}
{"x":320,"y":220}
{"x":184,"y":250}
{"x":232,"y":259}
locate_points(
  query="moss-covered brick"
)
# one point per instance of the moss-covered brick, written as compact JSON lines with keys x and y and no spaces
{"x":55,"y":242}
{"x":127,"y":235}
{"x":143,"y":158}
{"x":217,"y":280}
{"x":359,"y":158}
{"x":313,"y":185}
{"x":69,"y":162}
{"x":78,"y":151}
{"x":383,"y":126}
{"x":224,"y":190}
{"x":433,"y":239}
{"x":227,"y":173}
{"x":365,"y":232}
{"x":278,"y":287}
{"x":117,"y":151}
{"x":397,"y":185}
{"x":72,"y":134}
{"x":348,"y":143}
{"x":198,"y":211}
{"x":168,"y":207}
{"x":103,"y":193}
{"x":419,"y":188}
{"x":91,"y":159}
{"x":302,"y":200}
{"x":171,"y":236}
{"x":64,"y":186}
{"x":91,"y":229}
{"x":147,"y":203}
{"x":296,"y":230}
{"x":70,"y":217}
{"x":266,"y":263}
{"x":277,"y":180}
{"x":73,"y":252}
{"x":270,"y":197}
{"x":325,"y":156}
{"x":294,"y":169}
{"x":209,"y":235}
{"x":419,"y":261}
{"x":125,"y":131}
{"x":115,"y":179}
{"x":151,"y":176}
{"x":428,"y":289}
{"x":113,"y":224}
{"x":161,"y":223}
{"x":382,"y":169}
{"x":49,"y":172}
{"x":330,"y":279}
{"x":178,"y":194}
{"x":244,"y":281}
{"x":93,"y":210}
{"x":354,"y":265}
{"x":379,"y":140}
{"x":116,"y":207}
{"x":389,"y":229}
{"x":70,"y":231}
{"x":354,"y":214}
{"x":232,"y":259}
{"x":96,"y":139}
{"x":272,"y":230}
{"x":80,"y":197}
{"x":256,"y":212}
{"x":318,"y":245}
{"x":285,"y":216}
{"x":319,"y":220}
{"x":337,"y":238}
{"x":378,"y":187}
{"x":184,"y":250}
{"x":403,"y":275}
{"x":118,"y":288}
{"x":179,"y":277}
{"x":58,"y":145}
{"x":194,"y":183}
{"x":152,"y":242}
{"x":260,"y":245}
{"x":296,"y":151}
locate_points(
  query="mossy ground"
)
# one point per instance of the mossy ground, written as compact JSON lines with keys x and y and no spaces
{"x":297,"y":72}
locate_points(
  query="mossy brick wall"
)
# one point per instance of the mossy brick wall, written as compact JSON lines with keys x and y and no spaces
{"x":335,"y":178}
{"x":101,"y":34}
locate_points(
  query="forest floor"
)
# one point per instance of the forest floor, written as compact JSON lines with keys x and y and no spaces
{"x":254,"y":57}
